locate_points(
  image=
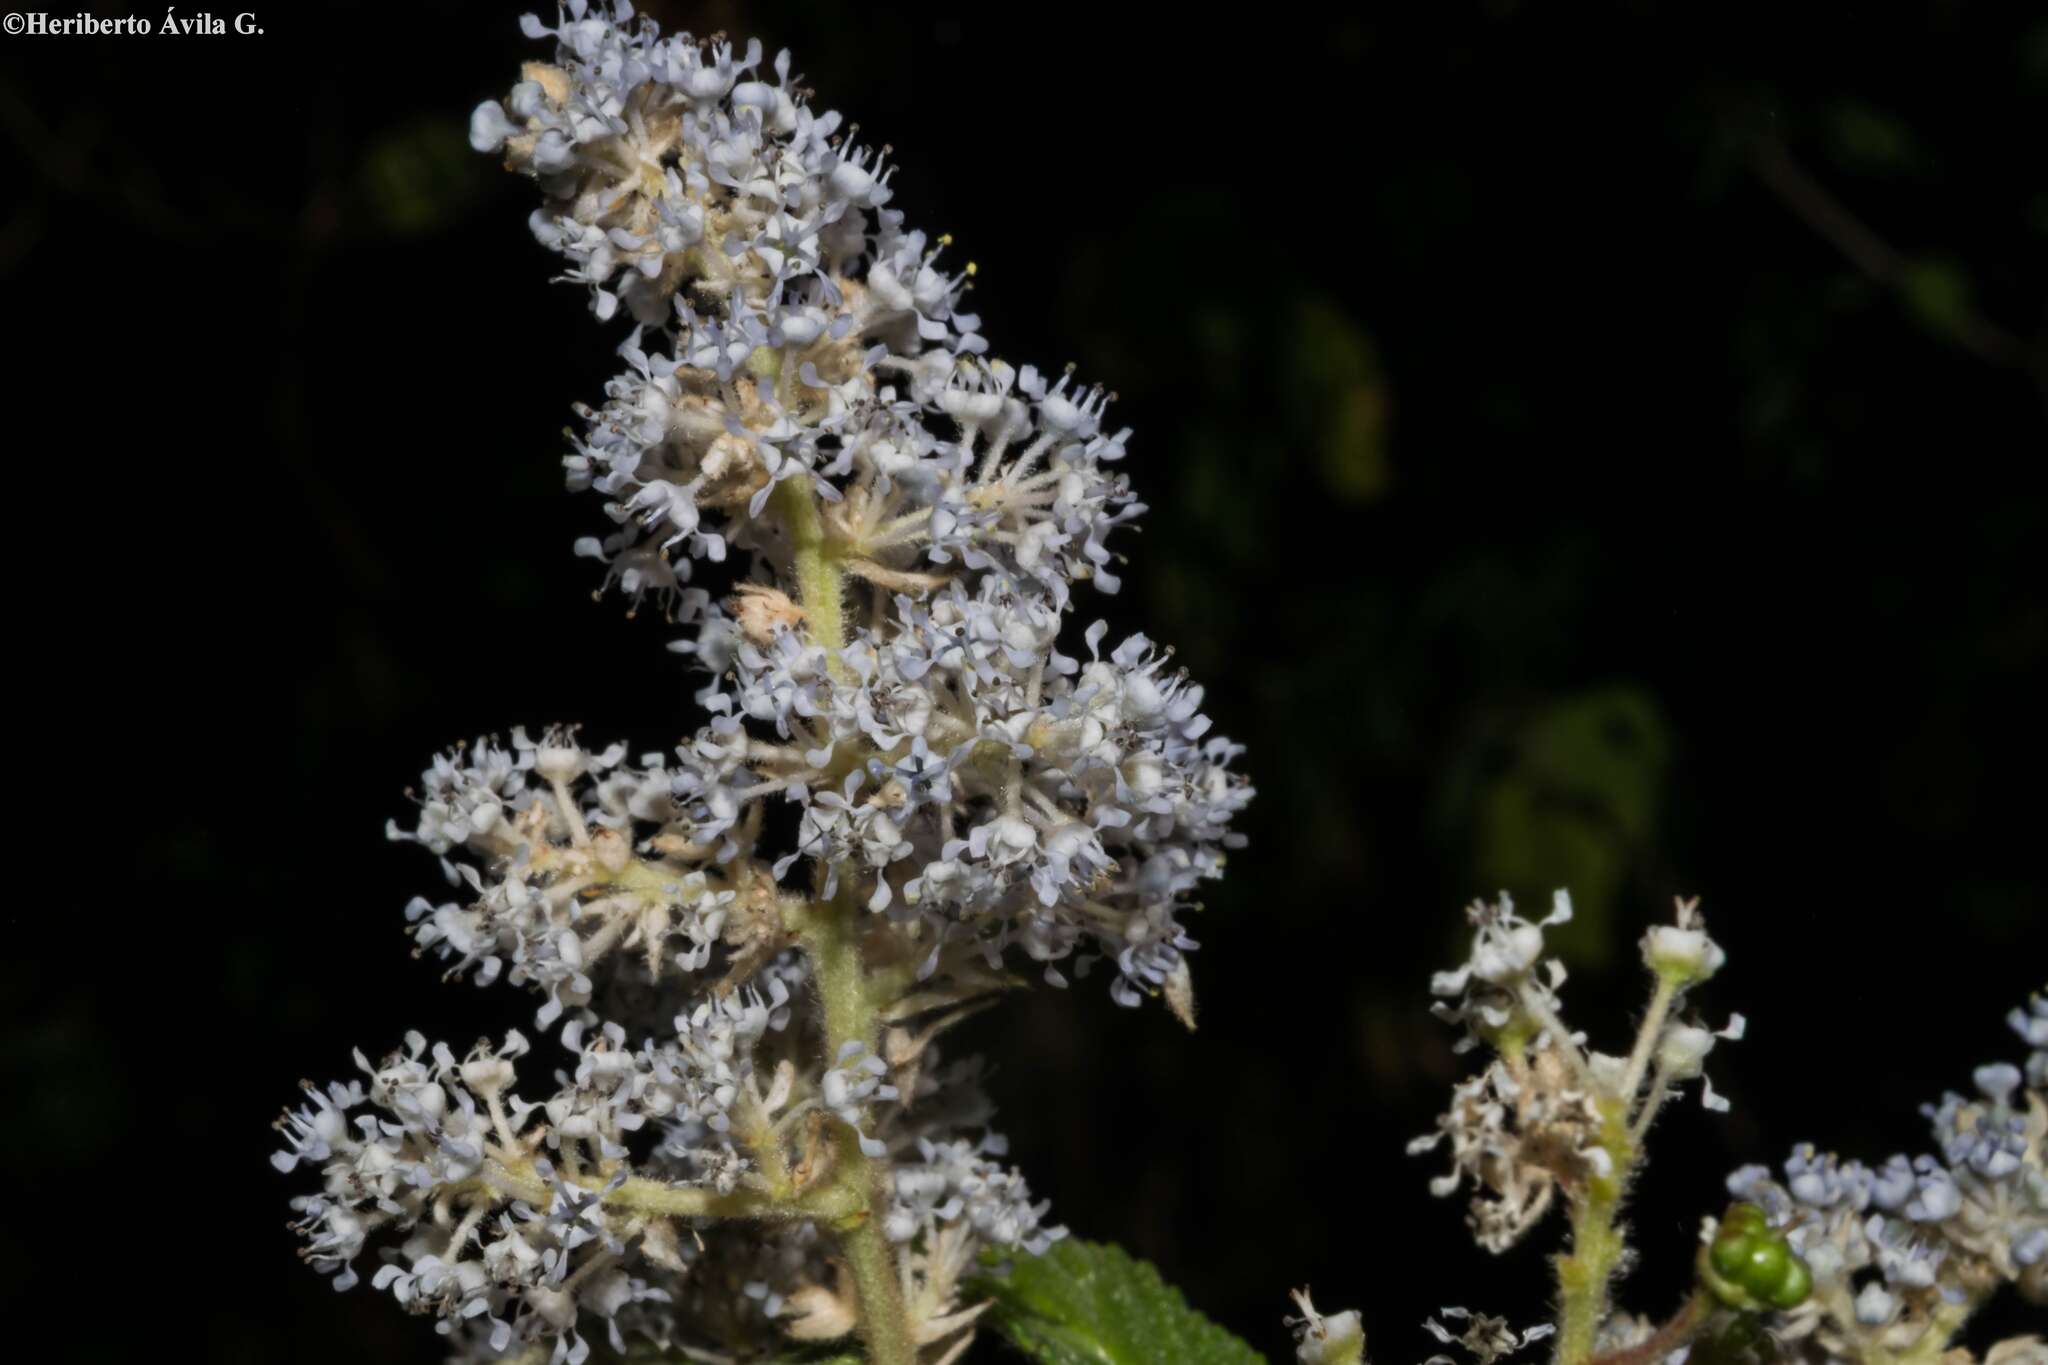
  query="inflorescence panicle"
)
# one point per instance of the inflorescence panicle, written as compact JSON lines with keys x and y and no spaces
{"x":905,"y":789}
{"x":1838,"y":1263}
{"x":917,"y":777}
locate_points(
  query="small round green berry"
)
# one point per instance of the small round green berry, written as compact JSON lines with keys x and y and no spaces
{"x":1750,"y":1266}
{"x":1729,"y":1255}
{"x":1792,"y":1287}
{"x":1763,"y":1265}
{"x":1744,"y":1218}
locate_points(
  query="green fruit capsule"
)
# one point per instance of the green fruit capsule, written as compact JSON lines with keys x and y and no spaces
{"x":1729,"y":1255}
{"x":1744,"y":1219}
{"x":1749,"y":1266}
{"x":1763,"y":1265}
{"x":1793,"y":1287}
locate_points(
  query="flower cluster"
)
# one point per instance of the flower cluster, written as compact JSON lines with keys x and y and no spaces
{"x":1900,"y":1253}
{"x":994,"y":792}
{"x":906,"y":785}
{"x":497,"y":1221}
{"x":1838,"y":1263}
{"x":957,"y":1181}
{"x":517,"y":1216}
{"x":1542,"y":1115}
{"x":804,"y":332}
{"x":816,"y":386}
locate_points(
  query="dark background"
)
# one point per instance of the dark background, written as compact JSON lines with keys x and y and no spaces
{"x":1589,"y":445}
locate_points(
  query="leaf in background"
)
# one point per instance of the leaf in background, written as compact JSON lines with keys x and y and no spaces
{"x":1346,"y":398}
{"x":1937,"y":294}
{"x":419,"y":178}
{"x":1869,"y":139}
{"x":1573,"y":800}
{"x":1088,"y":1303}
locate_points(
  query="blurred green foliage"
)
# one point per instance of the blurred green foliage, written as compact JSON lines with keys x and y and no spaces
{"x":1333,"y":379}
{"x":1937,"y":292}
{"x":1871,"y":140}
{"x":420,"y":177}
{"x":1567,"y":795}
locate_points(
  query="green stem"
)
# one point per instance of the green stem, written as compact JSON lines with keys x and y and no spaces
{"x":1648,"y":1035}
{"x":884,"y":1323}
{"x":641,"y":1195}
{"x":820,"y":581}
{"x":1585,"y":1272}
{"x":829,"y":932}
{"x":827,"y":1203}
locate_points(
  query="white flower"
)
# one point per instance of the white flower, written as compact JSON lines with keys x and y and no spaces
{"x":957,"y":1181}
{"x":1505,"y":947}
{"x":1326,"y":1339}
{"x":1683,"y":950}
{"x":1487,"y":1338}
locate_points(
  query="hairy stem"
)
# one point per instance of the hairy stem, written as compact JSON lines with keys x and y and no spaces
{"x":829,"y":932}
{"x":1585,"y":1272}
{"x":820,"y":576}
{"x":1648,"y":1035}
{"x":884,"y":1322}
{"x":521,"y":1180}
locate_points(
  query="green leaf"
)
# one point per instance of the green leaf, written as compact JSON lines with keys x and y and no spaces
{"x":1086,"y":1303}
{"x":654,"y":1355}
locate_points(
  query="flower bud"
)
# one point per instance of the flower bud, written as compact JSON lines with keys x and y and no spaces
{"x":1684,"y":1050}
{"x":1333,"y":1339}
{"x":1685,"y":955}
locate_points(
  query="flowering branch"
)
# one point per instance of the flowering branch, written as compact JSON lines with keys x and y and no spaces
{"x":1840,"y":1264}
{"x":750,"y":948}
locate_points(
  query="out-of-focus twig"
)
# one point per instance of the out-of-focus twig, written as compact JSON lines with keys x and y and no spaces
{"x":1877,"y":258}
{"x":1682,"y":1328}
